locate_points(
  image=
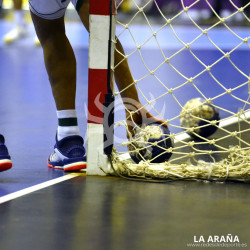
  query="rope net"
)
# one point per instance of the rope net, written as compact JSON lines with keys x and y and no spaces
{"x":192,"y":74}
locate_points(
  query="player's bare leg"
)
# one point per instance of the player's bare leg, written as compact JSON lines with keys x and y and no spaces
{"x":60,"y":62}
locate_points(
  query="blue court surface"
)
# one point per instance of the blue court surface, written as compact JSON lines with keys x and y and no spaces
{"x":108,"y":212}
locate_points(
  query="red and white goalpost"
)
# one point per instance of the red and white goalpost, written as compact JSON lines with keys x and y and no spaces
{"x":101,"y":64}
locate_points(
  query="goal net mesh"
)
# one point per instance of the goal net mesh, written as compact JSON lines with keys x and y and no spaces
{"x":177,"y":52}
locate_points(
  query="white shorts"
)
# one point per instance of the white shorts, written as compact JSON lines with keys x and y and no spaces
{"x":51,"y":9}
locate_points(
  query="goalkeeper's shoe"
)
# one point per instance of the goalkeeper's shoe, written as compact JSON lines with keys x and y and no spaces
{"x":15,"y":34}
{"x":5,"y":161}
{"x":69,"y":154}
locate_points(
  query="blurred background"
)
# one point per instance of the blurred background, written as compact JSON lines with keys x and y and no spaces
{"x":204,"y":11}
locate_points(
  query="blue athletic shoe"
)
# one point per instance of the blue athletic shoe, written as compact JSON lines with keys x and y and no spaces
{"x":5,"y":161}
{"x":69,"y":154}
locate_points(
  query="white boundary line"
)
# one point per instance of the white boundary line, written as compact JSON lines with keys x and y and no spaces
{"x":37,"y":187}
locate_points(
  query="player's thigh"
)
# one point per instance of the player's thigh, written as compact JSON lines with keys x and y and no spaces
{"x":48,"y":18}
{"x":48,"y":30}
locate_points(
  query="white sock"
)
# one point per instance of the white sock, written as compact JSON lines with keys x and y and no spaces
{"x":67,"y":123}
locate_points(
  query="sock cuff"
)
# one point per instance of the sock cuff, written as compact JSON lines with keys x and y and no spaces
{"x":67,"y":122}
{"x":68,"y":113}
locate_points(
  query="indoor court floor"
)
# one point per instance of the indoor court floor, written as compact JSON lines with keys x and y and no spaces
{"x":42,"y":208}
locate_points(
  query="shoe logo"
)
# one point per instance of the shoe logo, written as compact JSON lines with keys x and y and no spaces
{"x":62,"y":1}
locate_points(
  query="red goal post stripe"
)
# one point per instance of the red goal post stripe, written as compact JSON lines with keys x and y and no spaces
{"x":98,"y":56}
{"x":101,"y":7}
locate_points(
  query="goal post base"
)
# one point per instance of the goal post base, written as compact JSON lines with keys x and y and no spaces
{"x":97,"y":162}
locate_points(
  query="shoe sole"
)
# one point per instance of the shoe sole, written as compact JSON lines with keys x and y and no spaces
{"x":5,"y":165}
{"x":76,"y":166}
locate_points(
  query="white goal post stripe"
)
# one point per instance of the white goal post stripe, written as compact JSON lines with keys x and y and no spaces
{"x":98,"y":40}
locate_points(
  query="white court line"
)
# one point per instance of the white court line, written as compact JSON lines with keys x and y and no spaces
{"x":34,"y":188}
